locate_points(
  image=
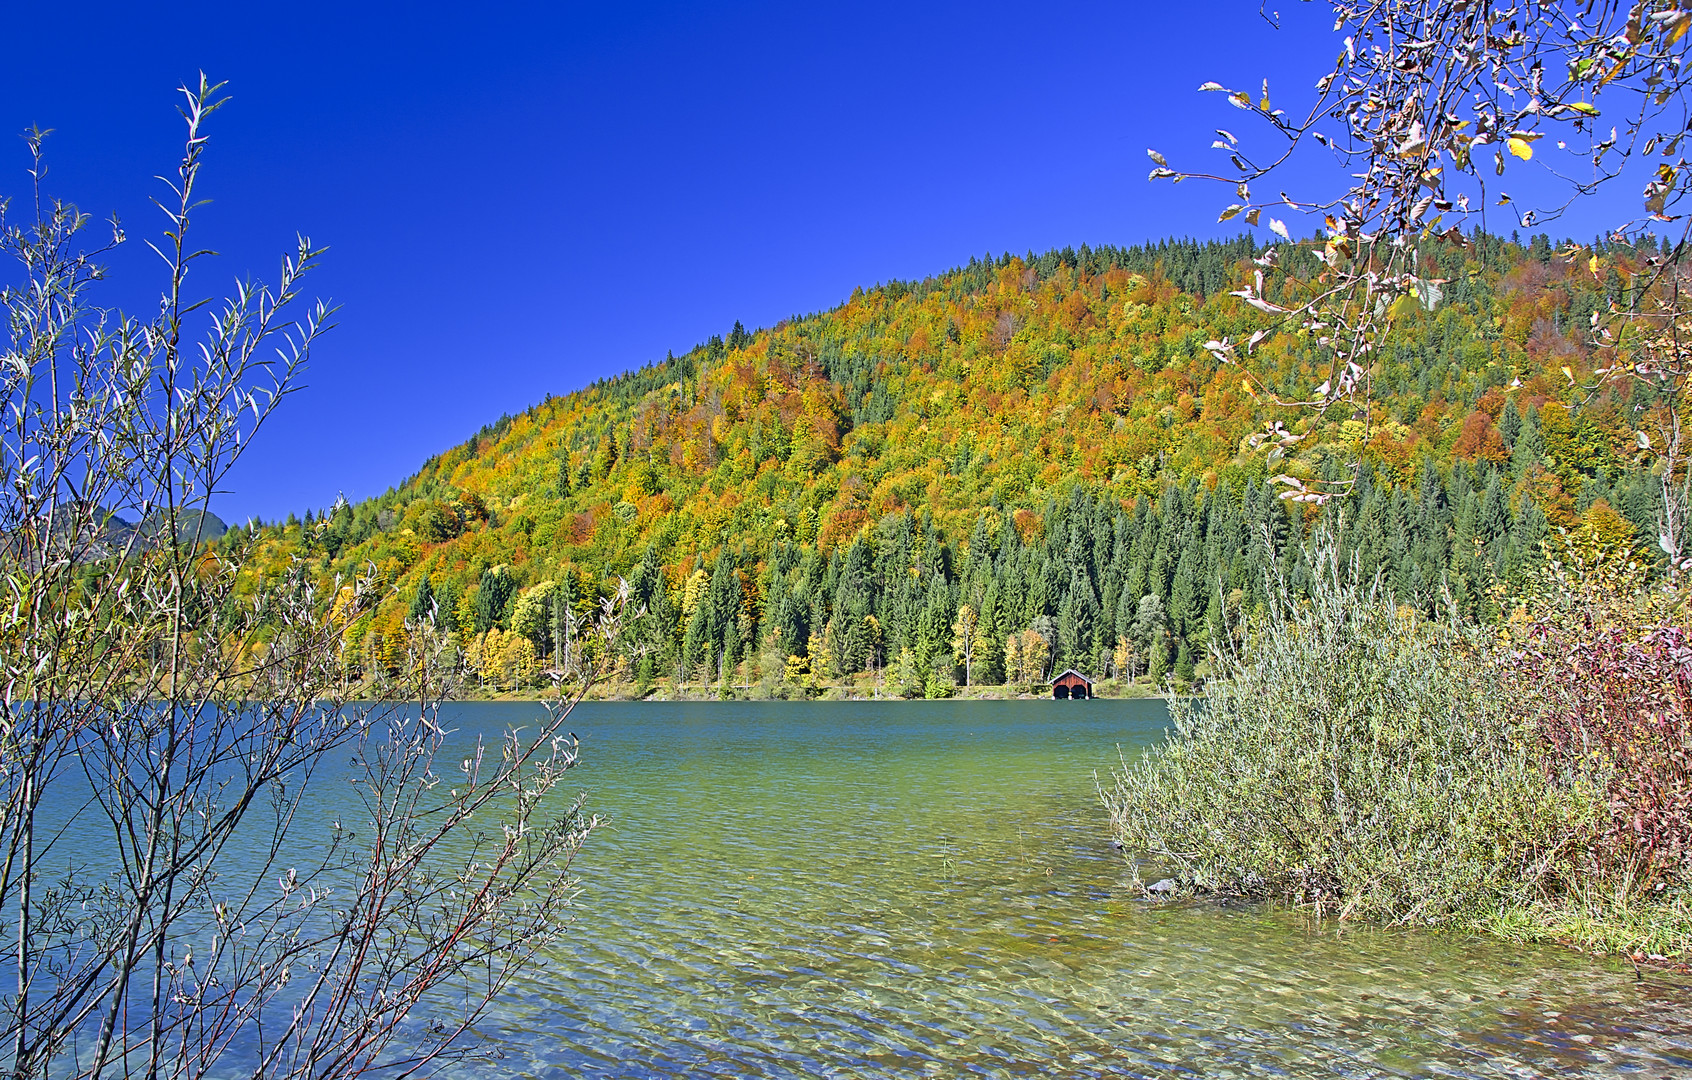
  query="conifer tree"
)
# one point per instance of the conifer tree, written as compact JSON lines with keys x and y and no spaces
{"x":493,"y":599}
{"x":1510,"y":423}
{"x":446,"y":607}
{"x":423,"y":602}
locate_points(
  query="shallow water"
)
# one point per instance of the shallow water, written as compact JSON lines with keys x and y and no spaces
{"x":898,"y":889}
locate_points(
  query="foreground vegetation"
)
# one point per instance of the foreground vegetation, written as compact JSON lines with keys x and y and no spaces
{"x":1363,"y":760}
{"x":176,"y":905}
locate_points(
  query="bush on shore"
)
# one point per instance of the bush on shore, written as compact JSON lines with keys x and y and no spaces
{"x":1367,"y":762}
{"x":1617,"y":706}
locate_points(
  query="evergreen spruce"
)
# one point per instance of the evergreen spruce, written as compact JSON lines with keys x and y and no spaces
{"x":423,"y":602}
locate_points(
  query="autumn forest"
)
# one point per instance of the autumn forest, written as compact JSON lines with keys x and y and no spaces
{"x":1025,"y":464}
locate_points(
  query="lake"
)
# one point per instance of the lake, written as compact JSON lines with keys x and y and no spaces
{"x":928,"y":888}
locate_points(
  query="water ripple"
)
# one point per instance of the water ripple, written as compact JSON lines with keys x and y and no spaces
{"x":915,"y":890}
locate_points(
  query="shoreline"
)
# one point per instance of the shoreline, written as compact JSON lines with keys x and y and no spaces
{"x":628,"y":692}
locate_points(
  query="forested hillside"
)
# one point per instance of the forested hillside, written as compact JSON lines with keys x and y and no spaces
{"x":1021,"y":465}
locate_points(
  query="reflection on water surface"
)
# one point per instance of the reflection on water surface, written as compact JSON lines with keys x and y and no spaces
{"x":928,"y":889}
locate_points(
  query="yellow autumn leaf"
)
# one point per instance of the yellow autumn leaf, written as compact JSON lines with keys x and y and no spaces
{"x":1585,"y":108}
{"x":1595,"y":264}
{"x":1568,"y":373}
{"x":1520,"y":148}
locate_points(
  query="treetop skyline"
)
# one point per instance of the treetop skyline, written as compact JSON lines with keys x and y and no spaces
{"x":524,"y":200}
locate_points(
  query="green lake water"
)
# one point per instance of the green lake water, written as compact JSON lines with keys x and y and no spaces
{"x":929,"y":889}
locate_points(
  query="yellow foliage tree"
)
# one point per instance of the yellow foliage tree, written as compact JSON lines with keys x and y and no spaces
{"x":1035,"y":653}
{"x":1125,"y":659}
{"x":518,"y":661}
{"x":818,"y":650}
{"x":1603,"y":534}
{"x":965,"y":630}
{"x":697,"y":583}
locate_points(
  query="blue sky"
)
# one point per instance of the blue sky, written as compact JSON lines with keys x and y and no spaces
{"x":519,"y":199}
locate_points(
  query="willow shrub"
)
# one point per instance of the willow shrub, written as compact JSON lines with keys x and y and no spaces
{"x":1358,"y":758}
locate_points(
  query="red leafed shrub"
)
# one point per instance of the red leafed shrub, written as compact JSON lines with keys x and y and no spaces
{"x":1619,"y":708}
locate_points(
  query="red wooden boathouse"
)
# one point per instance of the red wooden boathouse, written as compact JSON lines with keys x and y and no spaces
{"x":1072,"y":684}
